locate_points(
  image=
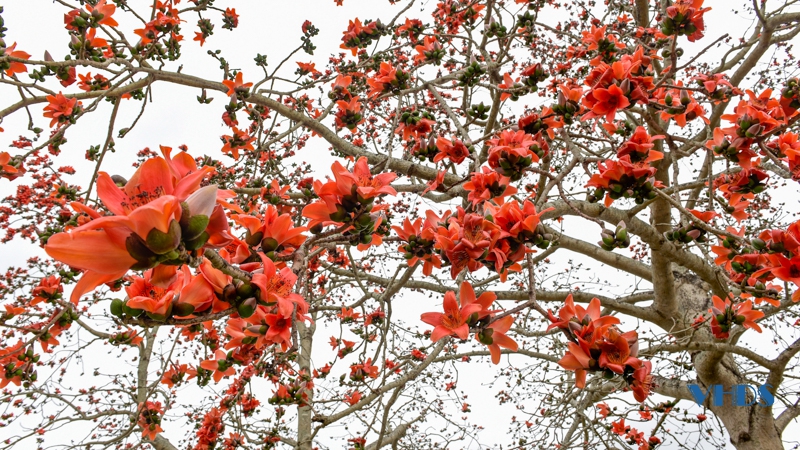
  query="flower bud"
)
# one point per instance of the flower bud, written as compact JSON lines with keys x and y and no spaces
{"x":182,"y":309}
{"x":247,"y":308}
{"x":116,"y":307}
{"x":758,"y":244}
{"x":160,"y":242}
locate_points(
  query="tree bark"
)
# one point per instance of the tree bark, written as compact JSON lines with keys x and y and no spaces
{"x":749,"y":427}
{"x":304,"y":413}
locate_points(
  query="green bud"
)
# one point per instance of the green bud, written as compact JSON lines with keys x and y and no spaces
{"x":116,"y":307}
{"x":269,"y":244}
{"x":160,"y":242}
{"x":133,"y":312}
{"x":182,"y":309}
{"x":197,"y":243}
{"x":247,"y":308}
{"x":194,"y":227}
{"x":137,"y":248}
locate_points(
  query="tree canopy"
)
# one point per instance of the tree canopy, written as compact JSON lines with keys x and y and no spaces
{"x":513,"y":224}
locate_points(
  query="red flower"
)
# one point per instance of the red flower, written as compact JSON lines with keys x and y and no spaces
{"x":705,"y":216}
{"x":352,"y":399}
{"x":507,"y":84}
{"x":238,"y":140}
{"x":361,"y":370}
{"x":340,"y":85}
{"x":430,"y":50}
{"x":415,"y":125}
{"x":220,"y":365}
{"x":349,"y":115}
{"x":61,"y":109}
{"x":276,"y":286}
{"x":367,"y":185}
{"x":639,"y":147}
{"x":512,"y":152}
{"x":605,"y":102}
{"x":578,"y":360}
{"x":455,"y":150}
{"x":176,"y":373}
{"x":388,"y":79}
{"x":7,"y":170}
{"x":49,"y":288}
{"x":642,"y":381}
{"x":102,"y":12}
{"x":786,"y":269}
{"x":619,"y":427}
{"x":280,"y":329}
{"x":419,"y":238}
{"x":210,"y":430}
{"x":275,"y":232}
{"x":488,"y":185}
{"x":518,"y":222}
{"x":494,"y":336}
{"x":237,"y":85}
{"x":306,"y":68}
{"x":624,"y":179}
{"x":150,"y":419}
{"x":724,"y":315}
{"x":107,"y":246}
{"x":93,"y":83}
{"x":144,"y":295}
{"x":685,"y":18}
{"x":617,"y":352}
{"x":465,"y":240}
{"x":230,"y":18}
{"x":453,"y":321}
{"x":12,"y":67}
{"x":347,"y":198}
{"x":411,"y":28}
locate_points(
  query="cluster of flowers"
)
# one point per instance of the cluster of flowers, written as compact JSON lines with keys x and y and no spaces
{"x":161,"y":218}
{"x":349,"y":201}
{"x":597,"y":345}
{"x":754,"y":265}
{"x":475,"y":313}
{"x":497,"y":239}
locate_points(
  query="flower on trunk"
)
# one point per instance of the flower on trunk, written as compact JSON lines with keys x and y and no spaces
{"x":150,"y":419}
{"x":725,"y":314}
